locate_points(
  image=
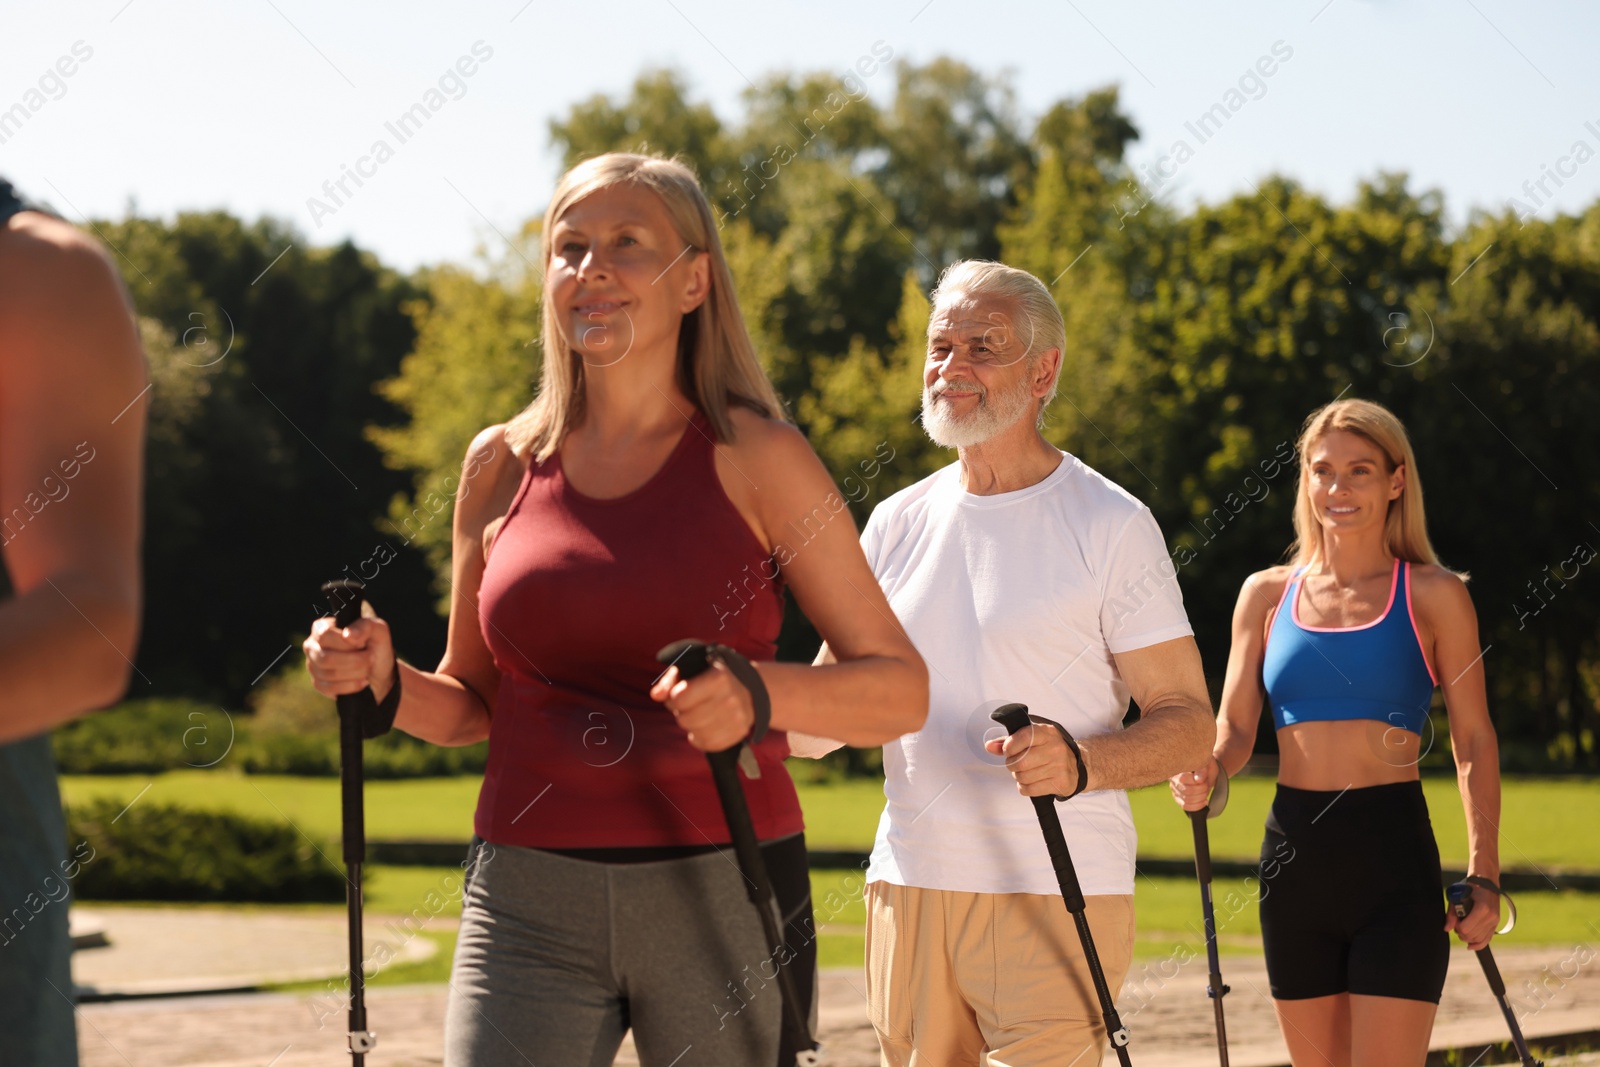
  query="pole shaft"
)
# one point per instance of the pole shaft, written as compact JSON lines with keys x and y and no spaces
{"x":1214,"y":987}
{"x":1014,"y":717}
{"x":347,"y":597}
{"x":758,"y":887}
{"x":1497,"y":985}
{"x":691,"y":659}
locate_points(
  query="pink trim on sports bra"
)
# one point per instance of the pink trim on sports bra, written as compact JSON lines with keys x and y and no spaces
{"x":1293,"y":574}
{"x":1411,"y":610}
{"x":1394,"y":584}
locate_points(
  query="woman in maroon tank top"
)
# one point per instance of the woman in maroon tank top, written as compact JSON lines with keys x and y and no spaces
{"x":652,"y":491}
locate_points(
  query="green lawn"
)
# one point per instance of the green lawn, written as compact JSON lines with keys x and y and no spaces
{"x":1168,"y":914}
{"x":408,"y":808}
{"x":839,"y":909}
{"x":1168,"y":911}
{"x":1544,"y":822}
{"x":843,"y":815}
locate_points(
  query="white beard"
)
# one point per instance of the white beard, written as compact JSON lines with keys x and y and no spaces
{"x":992,"y":414}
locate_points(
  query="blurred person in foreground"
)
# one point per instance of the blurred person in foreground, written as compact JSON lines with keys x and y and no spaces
{"x":72,"y":424}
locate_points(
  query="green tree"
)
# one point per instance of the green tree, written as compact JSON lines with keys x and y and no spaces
{"x":656,"y":118}
{"x":474,"y":364}
{"x":865,"y":416}
{"x":1507,"y":436}
{"x":957,"y":154}
{"x":260,"y":483}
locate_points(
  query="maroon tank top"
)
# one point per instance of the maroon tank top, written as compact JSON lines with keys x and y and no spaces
{"x":577,"y":597}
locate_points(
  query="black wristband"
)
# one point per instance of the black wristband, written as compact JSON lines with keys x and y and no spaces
{"x":1083,"y":772}
{"x":750,"y":678}
{"x":380,"y":719}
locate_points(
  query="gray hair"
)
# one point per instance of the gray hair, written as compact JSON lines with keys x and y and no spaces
{"x":1046,"y":329}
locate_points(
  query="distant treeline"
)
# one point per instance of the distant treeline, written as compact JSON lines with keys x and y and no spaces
{"x":310,"y":421}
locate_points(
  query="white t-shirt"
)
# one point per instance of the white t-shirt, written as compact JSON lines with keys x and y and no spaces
{"x":1014,"y":597}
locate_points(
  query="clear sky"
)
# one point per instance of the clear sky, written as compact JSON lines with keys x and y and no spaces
{"x":251,"y":105}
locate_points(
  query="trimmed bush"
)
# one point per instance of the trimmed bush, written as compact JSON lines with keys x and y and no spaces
{"x":144,"y":736}
{"x":293,"y":730}
{"x":394,"y":755}
{"x":165,"y":852}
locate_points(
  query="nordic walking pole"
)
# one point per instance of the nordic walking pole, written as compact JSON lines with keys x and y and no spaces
{"x":1460,"y":897}
{"x":1202,"y":869}
{"x":693,"y":658}
{"x":346,"y":596}
{"x":1014,"y":717}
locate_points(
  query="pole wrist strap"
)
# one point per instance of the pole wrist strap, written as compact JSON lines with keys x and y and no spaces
{"x":750,"y":678}
{"x":1072,"y":744}
{"x":1484,"y":883}
{"x":379,"y":719}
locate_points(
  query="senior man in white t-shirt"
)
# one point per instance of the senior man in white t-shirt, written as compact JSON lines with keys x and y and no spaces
{"x":1021,"y":575}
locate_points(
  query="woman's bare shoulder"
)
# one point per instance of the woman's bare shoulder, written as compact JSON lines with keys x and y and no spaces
{"x":1260,"y":593}
{"x":490,"y":474}
{"x":763,"y":445}
{"x":1438,"y":592}
{"x":760,"y":433}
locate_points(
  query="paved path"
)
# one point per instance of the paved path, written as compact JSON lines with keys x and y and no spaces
{"x":1555,"y":990}
{"x":178,"y":949}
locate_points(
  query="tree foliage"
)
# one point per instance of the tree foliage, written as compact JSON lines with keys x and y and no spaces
{"x":1198,"y":341}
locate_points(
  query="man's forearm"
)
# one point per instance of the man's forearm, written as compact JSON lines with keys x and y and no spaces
{"x":1165,"y":741}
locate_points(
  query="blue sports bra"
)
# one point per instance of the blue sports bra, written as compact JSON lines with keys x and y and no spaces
{"x":1376,"y":671}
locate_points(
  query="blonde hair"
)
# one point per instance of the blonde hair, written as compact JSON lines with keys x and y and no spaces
{"x":1032,"y":299}
{"x":717,"y":365}
{"x":1405,"y":528}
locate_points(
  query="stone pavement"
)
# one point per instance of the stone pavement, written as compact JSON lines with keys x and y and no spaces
{"x":1556,"y":989}
{"x":198,"y":949}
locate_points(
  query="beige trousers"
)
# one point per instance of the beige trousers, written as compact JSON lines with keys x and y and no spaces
{"x":989,"y":979}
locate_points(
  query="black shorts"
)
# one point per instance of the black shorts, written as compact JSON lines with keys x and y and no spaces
{"x":1352,"y":898}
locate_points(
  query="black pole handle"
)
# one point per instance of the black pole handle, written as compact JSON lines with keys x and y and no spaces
{"x":1460,"y":897}
{"x":346,"y":596}
{"x":692,"y":659}
{"x":1215,"y":803}
{"x":1014,"y":717}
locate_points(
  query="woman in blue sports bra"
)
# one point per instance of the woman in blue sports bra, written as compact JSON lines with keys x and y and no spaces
{"x":1347,"y":644}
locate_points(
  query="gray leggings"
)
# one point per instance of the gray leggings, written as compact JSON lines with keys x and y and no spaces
{"x":559,"y":957}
